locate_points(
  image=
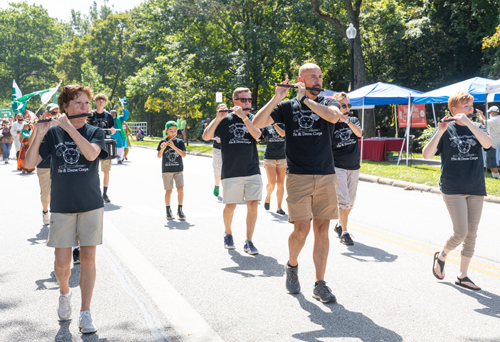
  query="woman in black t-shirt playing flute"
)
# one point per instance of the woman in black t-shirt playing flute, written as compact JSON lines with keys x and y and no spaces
{"x":462,"y":182}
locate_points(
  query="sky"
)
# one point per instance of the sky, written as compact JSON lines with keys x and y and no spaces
{"x":61,"y":9}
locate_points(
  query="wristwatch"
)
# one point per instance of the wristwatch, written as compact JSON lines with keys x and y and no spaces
{"x":303,"y":98}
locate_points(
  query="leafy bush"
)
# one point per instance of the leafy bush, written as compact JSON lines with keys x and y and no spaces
{"x":426,"y":136}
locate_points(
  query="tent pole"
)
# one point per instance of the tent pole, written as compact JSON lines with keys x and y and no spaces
{"x":362,"y":129}
{"x":410,"y":111}
{"x":396,"y":119}
{"x":434,"y":113}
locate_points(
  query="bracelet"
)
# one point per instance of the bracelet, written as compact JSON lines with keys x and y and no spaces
{"x":245,"y":119}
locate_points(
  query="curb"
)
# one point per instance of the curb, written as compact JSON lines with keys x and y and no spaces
{"x":380,"y":180}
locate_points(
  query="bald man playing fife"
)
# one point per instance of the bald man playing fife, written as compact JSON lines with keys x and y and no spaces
{"x":310,"y":181}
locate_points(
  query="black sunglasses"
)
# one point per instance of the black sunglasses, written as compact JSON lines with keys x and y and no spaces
{"x":54,"y":112}
{"x":245,"y":100}
{"x":344,"y":106}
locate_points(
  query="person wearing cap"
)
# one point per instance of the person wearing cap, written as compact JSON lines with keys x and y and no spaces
{"x":241,"y":180}
{"x":171,"y":149}
{"x":103,"y":119}
{"x":181,"y":125}
{"x":120,"y":136}
{"x":43,"y":168}
{"x":493,"y":127}
{"x":15,"y":130}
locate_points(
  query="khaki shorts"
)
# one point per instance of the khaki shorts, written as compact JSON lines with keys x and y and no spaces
{"x":279,"y":163}
{"x":311,"y":197}
{"x":105,"y":164}
{"x":217,"y":161}
{"x":44,"y":181}
{"x":169,"y":177}
{"x":241,"y":189}
{"x":347,"y":186}
{"x":80,"y":229}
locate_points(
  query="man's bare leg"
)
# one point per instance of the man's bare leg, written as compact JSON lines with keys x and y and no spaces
{"x":105,"y":179}
{"x":321,"y":247}
{"x":343,"y":218}
{"x":297,"y":239}
{"x":252,"y":207}
{"x":227,"y":215}
{"x":87,"y":275}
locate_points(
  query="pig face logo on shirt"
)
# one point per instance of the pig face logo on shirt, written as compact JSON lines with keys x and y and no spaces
{"x":344,"y":134}
{"x":305,"y":121}
{"x":463,"y":143}
{"x":171,"y":156}
{"x":238,"y":130}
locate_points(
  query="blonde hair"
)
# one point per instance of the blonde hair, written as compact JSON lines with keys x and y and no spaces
{"x":458,"y":98}
{"x":100,"y":97}
{"x":240,"y":90}
{"x":340,"y":96}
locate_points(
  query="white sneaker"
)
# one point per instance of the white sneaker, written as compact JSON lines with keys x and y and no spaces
{"x":46,"y":217}
{"x":85,"y":323}
{"x":495,"y":175}
{"x":64,"y":309}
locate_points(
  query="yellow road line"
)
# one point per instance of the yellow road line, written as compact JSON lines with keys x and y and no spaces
{"x":380,"y":235}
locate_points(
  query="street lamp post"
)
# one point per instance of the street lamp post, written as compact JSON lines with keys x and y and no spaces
{"x":351,"y":35}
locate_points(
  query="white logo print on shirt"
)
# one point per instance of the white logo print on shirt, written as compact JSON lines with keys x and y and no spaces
{"x":238,"y":130}
{"x":345,"y":135}
{"x":464,"y":143}
{"x":171,"y":155}
{"x":306,"y":120}
{"x":273,"y":135}
{"x":71,"y":155}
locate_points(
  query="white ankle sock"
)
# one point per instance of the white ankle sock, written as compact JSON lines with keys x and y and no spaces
{"x":65,"y":295}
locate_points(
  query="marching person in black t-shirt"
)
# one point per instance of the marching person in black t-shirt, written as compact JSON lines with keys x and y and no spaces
{"x":310,"y":180}
{"x":103,"y":119}
{"x":275,"y":164}
{"x":241,"y":179}
{"x":172,"y":150}
{"x":76,"y":203}
{"x":347,"y":156}
{"x":462,"y":181}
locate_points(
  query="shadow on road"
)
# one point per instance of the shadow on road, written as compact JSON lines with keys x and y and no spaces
{"x":179,"y":225}
{"x":342,"y":323}
{"x":280,"y":218}
{"x":365,"y":253}
{"x":490,"y":300}
{"x":41,"y":237}
{"x":73,"y":279}
{"x":111,"y":207}
{"x":268,"y":265}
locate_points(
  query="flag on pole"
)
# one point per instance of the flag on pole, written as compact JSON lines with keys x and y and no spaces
{"x":28,"y":97}
{"x":16,"y":93}
{"x":48,"y":95}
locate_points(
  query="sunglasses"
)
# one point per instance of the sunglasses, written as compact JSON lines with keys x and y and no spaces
{"x":344,"y":106}
{"x":54,"y":112}
{"x":245,"y":100}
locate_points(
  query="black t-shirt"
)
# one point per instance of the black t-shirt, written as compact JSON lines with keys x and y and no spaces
{"x":102,"y":120}
{"x":44,"y":164}
{"x":216,"y":144}
{"x":308,"y":137}
{"x":238,"y":148}
{"x":346,"y":146}
{"x":171,"y":161}
{"x":461,"y":162}
{"x":75,"y":180}
{"x":275,"y":143}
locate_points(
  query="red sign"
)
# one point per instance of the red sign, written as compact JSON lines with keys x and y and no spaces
{"x":418,"y":118}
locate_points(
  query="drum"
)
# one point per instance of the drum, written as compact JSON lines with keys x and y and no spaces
{"x":111,"y":147}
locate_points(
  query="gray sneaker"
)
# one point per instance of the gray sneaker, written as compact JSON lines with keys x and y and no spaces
{"x":338,"y":229}
{"x":64,"y":309}
{"x":323,"y":293}
{"x":85,"y":323}
{"x":292,"y":279}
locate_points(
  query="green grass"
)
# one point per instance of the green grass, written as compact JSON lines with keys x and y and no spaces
{"x":422,"y":174}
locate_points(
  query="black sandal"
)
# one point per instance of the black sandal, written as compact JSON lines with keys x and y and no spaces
{"x":460,"y":282}
{"x":441,"y":266}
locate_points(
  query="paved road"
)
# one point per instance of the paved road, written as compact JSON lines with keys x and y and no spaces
{"x":174,"y":281}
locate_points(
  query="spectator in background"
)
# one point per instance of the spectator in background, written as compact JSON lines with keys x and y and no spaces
{"x":181,"y":124}
{"x":6,"y":140}
{"x":493,"y":127}
{"x":15,"y":130}
{"x":139,"y":135}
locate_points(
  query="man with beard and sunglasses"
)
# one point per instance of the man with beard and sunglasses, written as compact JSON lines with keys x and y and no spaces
{"x":241,"y":180}
{"x":310,"y":181}
{"x":347,"y":164}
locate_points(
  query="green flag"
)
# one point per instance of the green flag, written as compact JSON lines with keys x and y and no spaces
{"x":26,"y":98}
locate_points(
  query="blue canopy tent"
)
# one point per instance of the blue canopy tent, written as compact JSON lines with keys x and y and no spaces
{"x":382,"y":94}
{"x":329,"y":94}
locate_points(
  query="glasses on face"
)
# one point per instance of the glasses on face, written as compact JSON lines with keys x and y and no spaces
{"x":244,"y":100}
{"x":344,"y":106}
{"x":54,"y":112}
